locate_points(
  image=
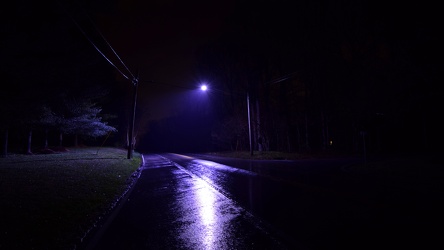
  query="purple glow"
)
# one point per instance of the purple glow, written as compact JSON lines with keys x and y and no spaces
{"x":208,"y":223}
{"x":203,"y":87}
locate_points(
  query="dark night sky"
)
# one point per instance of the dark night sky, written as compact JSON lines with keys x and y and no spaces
{"x":157,"y":38}
{"x":160,"y":38}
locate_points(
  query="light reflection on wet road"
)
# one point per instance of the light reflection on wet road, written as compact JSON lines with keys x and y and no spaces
{"x":205,"y":215}
{"x":314,"y":204}
{"x":183,"y":202}
{"x":171,"y":207}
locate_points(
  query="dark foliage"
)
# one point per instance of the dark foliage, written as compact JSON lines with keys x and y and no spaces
{"x":45,"y":61}
{"x":321,"y":72}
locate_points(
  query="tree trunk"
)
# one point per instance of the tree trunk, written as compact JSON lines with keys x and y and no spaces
{"x":425,"y":141}
{"x":355,"y":138}
{"x":76,"y":140}
{"x":288,"y":142}
{"x":298,"y":131}
{"x":307,"y":144}
{"x":324,"y":132}
{"x":5,"y":144}
{"x":127,"y":137}
{"x":46,"y":139}
{"x":259,"y":139}
{"x":28,"y":151}
{"x":61,"y":139}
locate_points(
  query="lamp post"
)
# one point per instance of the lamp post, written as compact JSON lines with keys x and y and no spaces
{"x":249,"y":124}
{"x":204,"y":87}
{"x":277,"y":80}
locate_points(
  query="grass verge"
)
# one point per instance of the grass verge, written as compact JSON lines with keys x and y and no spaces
{"x":51,"y":201}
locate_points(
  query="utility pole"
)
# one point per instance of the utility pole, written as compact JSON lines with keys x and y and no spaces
{"x":133,"y":117}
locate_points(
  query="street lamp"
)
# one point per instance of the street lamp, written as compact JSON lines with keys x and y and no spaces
{"x":249,"y":123}
{"x":277,"y":80}
{"x":204,"y":87}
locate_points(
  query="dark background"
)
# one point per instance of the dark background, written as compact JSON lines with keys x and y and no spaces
{"x":352,"y":73}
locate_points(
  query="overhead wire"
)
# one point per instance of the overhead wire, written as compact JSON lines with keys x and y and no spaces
{"x":109,"y":45}
{"x":283,"y":78}
{"x":167,"y":84}
{"x":134,"y":79}
{"x":102,"y":53}
{"x":95,"y":46}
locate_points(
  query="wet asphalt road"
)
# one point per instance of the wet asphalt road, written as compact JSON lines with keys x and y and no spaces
{"x":171,"y":208}
{"x":203,"y":202}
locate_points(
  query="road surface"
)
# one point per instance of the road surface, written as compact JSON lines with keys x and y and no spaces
{"x":204,"y":202}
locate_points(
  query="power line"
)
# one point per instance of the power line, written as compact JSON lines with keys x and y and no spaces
{"x":167,"y":84}
{"x":109,"y":45}
{"x":283,"y":78}
{"x":101,"y":52}
{"x":87,"y":37}
{"x":134,"y":80}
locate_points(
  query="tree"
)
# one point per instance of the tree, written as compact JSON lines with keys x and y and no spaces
{"x":44,"y":54}
{"x":48,"y":120}
{"x":82,"y":118}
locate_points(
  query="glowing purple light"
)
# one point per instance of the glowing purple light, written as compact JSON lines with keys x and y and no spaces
{"x":203,"y":87}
